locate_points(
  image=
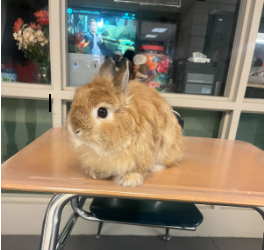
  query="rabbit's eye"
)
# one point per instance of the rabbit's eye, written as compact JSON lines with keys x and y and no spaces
{"x":102,"y":112}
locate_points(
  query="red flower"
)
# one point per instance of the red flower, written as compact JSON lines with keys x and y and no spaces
{"x":34,"y":26}
{"x":42,"y":17}
{"x":43,"y":21}
{"x":18,"y":23}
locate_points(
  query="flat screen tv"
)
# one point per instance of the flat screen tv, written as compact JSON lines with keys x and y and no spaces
{"x":100,"y":32}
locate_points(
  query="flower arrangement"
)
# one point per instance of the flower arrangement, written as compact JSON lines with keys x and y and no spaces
{"x":33,"y":39}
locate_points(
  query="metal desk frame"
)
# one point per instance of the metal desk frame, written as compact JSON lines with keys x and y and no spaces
{"x":49,"y":236}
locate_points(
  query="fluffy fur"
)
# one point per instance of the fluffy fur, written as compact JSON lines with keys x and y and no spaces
{"x":140,"y":133}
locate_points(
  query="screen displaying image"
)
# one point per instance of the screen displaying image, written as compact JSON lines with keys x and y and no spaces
{"x":100,"y":33}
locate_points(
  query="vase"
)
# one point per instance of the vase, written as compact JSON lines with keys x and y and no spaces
{"x":42,"y":74}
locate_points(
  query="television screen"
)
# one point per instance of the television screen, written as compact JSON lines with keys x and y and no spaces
{"x":100,"y":33}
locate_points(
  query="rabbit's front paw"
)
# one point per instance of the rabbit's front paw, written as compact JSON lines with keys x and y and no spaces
{"x":130,"y":180}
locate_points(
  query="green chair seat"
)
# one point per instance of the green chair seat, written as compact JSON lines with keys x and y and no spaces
{"x":148,"y":212}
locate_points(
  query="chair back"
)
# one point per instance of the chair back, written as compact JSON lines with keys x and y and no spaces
{"x":179,"y":118}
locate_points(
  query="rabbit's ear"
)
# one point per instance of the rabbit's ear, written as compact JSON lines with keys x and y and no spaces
{"x":108,"y":69}
{"x":122,"y":77}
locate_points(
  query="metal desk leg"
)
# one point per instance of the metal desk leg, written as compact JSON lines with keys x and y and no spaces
{"x":62,"y":240}
{"x":263,"y":242}
{"x":260,"y":210}
{"x":98,"y":235}
{"x":51,"y":221}
{"x":167,"y":236}
{"x":66,"y":232}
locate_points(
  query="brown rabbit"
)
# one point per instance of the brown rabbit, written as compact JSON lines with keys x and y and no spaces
{"x":123,"y":129}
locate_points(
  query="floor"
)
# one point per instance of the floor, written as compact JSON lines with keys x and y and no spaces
{"x":22,"y":242}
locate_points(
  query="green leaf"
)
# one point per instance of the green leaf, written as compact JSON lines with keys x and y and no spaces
{"x":46,"y":32}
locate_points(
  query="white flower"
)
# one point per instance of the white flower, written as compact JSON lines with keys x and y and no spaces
{"x":15,"y":35}
{"x":25,"y":44}
{"x":20,"y":39}
{"x":32,"y":38}
{"x":19,"y":32}
{"x":19,"y":45}
{"x":38,"y":33}
{"x":30,"y":30}
{"x":42,"y":43}
{"x":41,"y":38}
{"x":46,"y":41}
{"x":26,"y":34}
